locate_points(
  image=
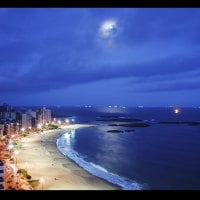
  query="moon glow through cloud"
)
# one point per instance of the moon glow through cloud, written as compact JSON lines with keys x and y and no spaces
{"x":108,"y":28}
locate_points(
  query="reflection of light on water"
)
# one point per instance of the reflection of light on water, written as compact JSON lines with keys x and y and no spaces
{"x":95,"y":169}
{"x":176,"y":111}
{"x":73,"y":134}
{"x":114,"y":109}
{"x":69,"y":136}
{"x":66,"y":135}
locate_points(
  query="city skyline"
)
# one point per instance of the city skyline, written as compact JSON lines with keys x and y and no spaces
{"x":104,"y":56}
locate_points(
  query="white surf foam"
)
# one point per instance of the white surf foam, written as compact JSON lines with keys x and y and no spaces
{"x":64,"y":146}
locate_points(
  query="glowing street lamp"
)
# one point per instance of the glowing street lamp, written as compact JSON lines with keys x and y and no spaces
{"x":26,"y":166}
{"x":16,"y":153}
{"x":42,"y":181}
{"x":39,"y":126}
{"x":67,"y":121}
{"x":22,"y":129}
{"x":10,"y":146}
{"x":59,"y":122}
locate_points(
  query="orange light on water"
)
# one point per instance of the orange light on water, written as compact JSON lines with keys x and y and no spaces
{"x":176,"y":111}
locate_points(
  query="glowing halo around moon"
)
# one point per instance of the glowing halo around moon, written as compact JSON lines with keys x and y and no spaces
{"x":108,"y":28}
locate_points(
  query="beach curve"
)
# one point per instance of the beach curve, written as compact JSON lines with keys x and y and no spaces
{"x":43,"y":161}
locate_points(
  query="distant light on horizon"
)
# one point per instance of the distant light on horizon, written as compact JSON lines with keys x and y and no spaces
{"x":176,"y":111}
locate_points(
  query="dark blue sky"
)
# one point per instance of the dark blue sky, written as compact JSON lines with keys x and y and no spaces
{"x":124,"y":56}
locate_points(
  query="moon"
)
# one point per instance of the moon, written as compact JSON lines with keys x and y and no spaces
{"x":108,"y":28}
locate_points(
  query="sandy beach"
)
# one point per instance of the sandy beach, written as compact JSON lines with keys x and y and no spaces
{"x":42,"y":159}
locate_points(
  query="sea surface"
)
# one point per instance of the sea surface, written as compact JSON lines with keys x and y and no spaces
{"x":157,"y":157}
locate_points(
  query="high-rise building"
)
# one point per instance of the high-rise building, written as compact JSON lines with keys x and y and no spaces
{"x":7,"y":129}
{"x":25,"y":120}
{"x":31,"y":113}
{"x":5,"y":108}
{"x":47,"y":116}
{"x":1,"y":129}
{"x":13,"y":115}
{"x":16,"y":127}
{"x":39,"y":119}
{"x":1,"y":175}
{"x":43,"y":116}
{"x":33,"y":116}
{"x":11,"y":121}
{"x":6,"y":112}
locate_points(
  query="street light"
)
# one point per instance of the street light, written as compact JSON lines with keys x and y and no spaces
{"x":39,"y":126}
{"x":16,"y":153}
{"x":26,"y":166}
{"x":42,"y":181}
{"x":10,"y":146}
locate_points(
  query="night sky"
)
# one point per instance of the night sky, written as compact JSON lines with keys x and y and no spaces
{"x":104,"y":56}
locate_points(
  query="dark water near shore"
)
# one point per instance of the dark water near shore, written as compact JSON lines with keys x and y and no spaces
{"x":161,"y":156}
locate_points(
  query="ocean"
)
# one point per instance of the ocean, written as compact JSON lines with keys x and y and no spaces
{"x":161,"y":156}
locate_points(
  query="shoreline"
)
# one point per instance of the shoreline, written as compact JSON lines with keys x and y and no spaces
{"x":43,"y":161}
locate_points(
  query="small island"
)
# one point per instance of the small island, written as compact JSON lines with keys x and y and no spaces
{"x":118,"y":119}
{"x":115,"y":131}
{"x":129,"y":130}
{"x":190,"y":123}
{"x":140,"y":124}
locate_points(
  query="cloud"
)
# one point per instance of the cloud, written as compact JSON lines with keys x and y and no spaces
{"x":145,"y":24}
{"x":48,"y":49}
{"x":167,"y":86}
{"x":48,"y":75}
{"x":186,"y":81}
